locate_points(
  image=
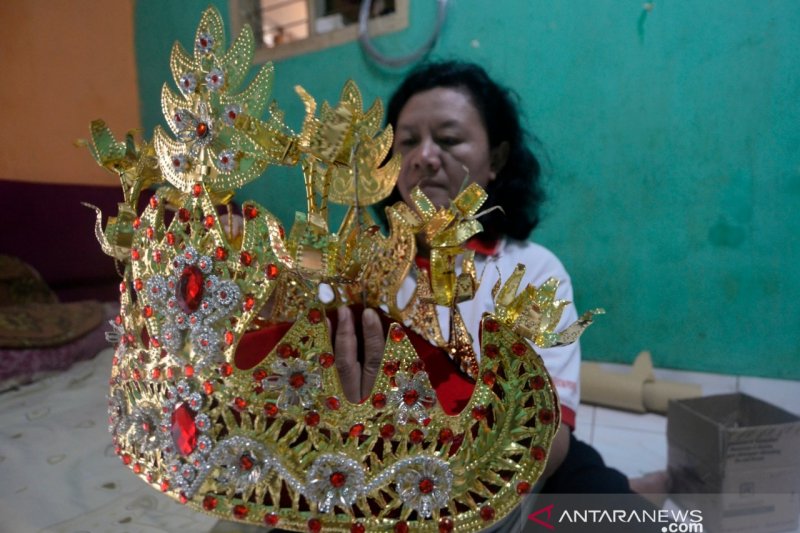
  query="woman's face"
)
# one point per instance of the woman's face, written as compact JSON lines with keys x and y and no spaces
{"x":442,"y":139}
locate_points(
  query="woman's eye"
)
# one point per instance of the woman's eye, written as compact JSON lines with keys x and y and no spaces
{"x":407,"y":143}
{"x":448,"y":141}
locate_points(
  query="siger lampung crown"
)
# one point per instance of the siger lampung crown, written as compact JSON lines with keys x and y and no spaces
{"x":224,"y":390}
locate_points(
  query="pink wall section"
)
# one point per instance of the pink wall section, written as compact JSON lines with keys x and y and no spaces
{"x":64,"y":63}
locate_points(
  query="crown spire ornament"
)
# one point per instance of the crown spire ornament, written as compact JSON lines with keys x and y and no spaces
{"x":224,"y":392}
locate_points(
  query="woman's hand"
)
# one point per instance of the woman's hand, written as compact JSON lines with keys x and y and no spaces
{"x":357,"y":379}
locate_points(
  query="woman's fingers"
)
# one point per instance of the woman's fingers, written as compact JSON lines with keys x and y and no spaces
{"x":346,"y":349}
{"x":374,"y":343}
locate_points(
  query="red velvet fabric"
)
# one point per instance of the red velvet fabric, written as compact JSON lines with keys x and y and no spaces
{"x":453,"y":388}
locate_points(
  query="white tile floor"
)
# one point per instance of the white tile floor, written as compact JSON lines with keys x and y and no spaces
{"x":636,"y":443}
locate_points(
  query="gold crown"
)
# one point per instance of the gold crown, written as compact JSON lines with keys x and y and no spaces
{"x":273,"y":441}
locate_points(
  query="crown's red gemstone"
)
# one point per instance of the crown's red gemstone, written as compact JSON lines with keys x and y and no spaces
{"x":157,"y":256}
{"x":523,"y":487}
{"x":479,"y":412}
{"x":136,"y":223}
{"x":285,"y":351}
{"x":357,"y":527}
{"x":487,"y":513}
{"x":184,"y":215}
{"x":164,"y":486}
{"x":150,"y":232}
{"x":538,"y":453}
{"x":229,"y":338}
{"x":426,"y":485}
{"x":332,"y":403}
{"x":489,"y":378}
{"x":418,"y":365}
{"x":537,"y":382}
{"x":491,"y":351}
{"x":183,"y":429}
{"x":220,"y":253}
{"x":315,"y":316}
{"x":197,"y":189}
{"x":271,"y":519}
{"x":209,"y":503}
{"x":155,"y":373}
{"x":137,"y":374}
{"x":379,"y":400}
{"x":297,"y":380}
{"x":491,"y":326}
{"x":410,"y":397}
{"x":188,"y":371}
{"x":135,"y":255}
{"x":250,"y":212}
{"x":270,"y":409}
{"x":240,"y":511}
{"x":312,"y":418}
{"x":208,"y":388}
{"x":170,"y":238}
{"x":397,"y":334}
{"x":209,"y":221}
{"x":387,"y":431}
{"x":137,"y":284}
{"x":356,"y":430}
{"x":225,"y":369}
{"x":153,"y":201}
{"x":445,"y":525}
{"x":126,"y":459}
{"x":246,"y":462}
{"x":518,"y":348}
{"x":259,"y":374}
{"x":249,"y":302}
{"x":240,"y":403}
{"x":326,"y":359}
{"x":546,"y":416}
{"x":183,"y":498}
{"x":272,"y":271}
{"x":202,"y":129}
{"x":147,"y":311}
{"x":246,"y":258}
{"x":401,"y":527}
{"x":338,"y":479}
{"x":390,"y":368}
{"x":314,"y":525}
{"x":190,"y":289}
{"x":416,"y":436}
{"x":445,"y":435}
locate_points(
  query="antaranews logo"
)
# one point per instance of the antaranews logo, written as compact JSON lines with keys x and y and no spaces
{"x":555,"y":517}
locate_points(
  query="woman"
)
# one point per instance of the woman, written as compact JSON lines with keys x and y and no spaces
{"x":453,"y":122}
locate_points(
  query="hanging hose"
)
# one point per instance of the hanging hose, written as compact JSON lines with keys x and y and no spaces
{"x":369,"y":48}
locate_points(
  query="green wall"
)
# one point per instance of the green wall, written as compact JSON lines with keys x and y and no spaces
{"x":674,"y":145}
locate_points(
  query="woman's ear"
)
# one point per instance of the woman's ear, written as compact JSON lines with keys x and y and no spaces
{"x":499,"y":156}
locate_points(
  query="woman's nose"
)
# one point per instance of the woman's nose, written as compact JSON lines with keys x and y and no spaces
{"x":428,"y":155}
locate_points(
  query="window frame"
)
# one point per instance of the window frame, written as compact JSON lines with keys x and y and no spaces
{"x":396,"y":21}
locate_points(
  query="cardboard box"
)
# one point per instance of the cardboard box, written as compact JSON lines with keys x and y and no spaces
{"x":737,"y":458}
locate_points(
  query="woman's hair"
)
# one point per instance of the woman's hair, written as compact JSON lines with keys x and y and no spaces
{"x":517,"y":187}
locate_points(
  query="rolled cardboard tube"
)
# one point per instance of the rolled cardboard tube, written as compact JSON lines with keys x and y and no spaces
{"x":636,"y":390}
{"x":657,"y":394}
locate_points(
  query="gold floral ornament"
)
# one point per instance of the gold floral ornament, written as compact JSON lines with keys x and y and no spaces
{"x":209,"y":147}
{"x":341,"y":153}
{"x":136,"y":167}
{"x":224,"y":392}
{"x":534,"y":313}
